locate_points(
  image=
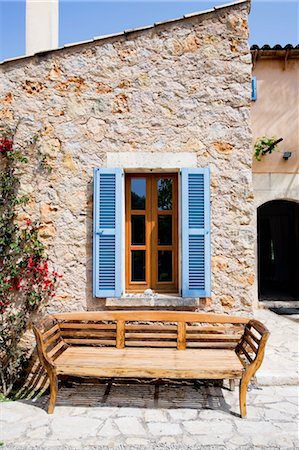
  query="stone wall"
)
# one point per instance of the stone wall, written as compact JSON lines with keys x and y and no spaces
{"x":178,"y":87}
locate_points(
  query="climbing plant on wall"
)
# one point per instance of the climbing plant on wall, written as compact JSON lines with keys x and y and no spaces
{"x":26,"y":281}
{"x":265,"y":145}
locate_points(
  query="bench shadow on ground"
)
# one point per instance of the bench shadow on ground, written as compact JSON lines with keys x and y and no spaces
{"x":160,"y":394}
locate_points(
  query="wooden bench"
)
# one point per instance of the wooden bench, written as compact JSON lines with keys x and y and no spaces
{"x":150,"y":344}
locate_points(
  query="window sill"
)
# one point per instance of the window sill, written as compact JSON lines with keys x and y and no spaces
{"x":160,"y":300}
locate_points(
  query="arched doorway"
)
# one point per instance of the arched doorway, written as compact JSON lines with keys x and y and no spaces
{"x":278,"y":250}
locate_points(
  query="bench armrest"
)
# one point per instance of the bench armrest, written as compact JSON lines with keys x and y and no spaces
{"x":48,"y":339}
{"x":251,"y":347}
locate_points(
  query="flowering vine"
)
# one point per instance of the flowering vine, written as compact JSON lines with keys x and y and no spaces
{"x":26,"y":281}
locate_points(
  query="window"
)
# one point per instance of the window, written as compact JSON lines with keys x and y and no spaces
{"x":151,"y":232}
{"x":136,"y":232}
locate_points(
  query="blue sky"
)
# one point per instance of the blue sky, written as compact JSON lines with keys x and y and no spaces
{"x":270,"y":22}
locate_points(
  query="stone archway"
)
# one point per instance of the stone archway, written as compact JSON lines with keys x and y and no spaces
{"x":278,"y":250}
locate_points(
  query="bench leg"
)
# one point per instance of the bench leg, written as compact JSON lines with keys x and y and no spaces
{"x":242,"y":395}
{"x":231,"y":384}
{"x":53,"y":392}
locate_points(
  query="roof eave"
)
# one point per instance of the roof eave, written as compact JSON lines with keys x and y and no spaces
{"x":127,"y":32}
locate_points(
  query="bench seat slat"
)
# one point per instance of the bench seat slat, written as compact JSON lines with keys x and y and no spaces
{"x":149,"y":373}
{"x":151,"y":355}
{"x":155,"y":363}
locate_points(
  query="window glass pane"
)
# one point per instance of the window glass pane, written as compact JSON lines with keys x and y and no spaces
{"x":138,"y":265}
{"x":165,"y":230}
{"x":165,"y":193}
{"x":138,"y":230}
{"x":164,"y":265}
{"x":138,"y":193}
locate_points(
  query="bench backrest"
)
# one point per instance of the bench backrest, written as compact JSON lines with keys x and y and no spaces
{"x":151,"y":329}
{"x":121,"y":329}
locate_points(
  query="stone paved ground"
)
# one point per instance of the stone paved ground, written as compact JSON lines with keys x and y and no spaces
{"x":149,"y":416}
{"x":280,"y":365}
{"x":171,"y":415}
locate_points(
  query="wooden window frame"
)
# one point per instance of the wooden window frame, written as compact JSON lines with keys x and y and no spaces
{"x":151,"y":246}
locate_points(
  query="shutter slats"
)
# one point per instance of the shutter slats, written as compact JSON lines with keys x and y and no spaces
{"x":196,"y":200}
{"x":196,"y":262}
{"x":195,"y":233}
{"x":107,"y":233}
{"x":107,"y":200}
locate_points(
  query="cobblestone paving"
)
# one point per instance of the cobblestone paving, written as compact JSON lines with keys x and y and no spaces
{"x":153,"y":416}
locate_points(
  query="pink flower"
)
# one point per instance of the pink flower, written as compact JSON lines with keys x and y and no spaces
{"x":19,"y":283}
{"x":47,"y":283}
{"x":5,"y":145}
{"x":30,"y":262}
{"x":28,"y":222}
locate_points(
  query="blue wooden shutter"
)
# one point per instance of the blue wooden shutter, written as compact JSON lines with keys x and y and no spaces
{"x":107,"y":232}
{"x":196,"y":253}
{"x":253,"y":89}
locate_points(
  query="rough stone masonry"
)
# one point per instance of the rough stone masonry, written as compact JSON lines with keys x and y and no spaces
{"x":182,"y":86}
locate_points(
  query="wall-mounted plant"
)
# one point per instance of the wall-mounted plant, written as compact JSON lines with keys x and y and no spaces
{"x":264,"y":145}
